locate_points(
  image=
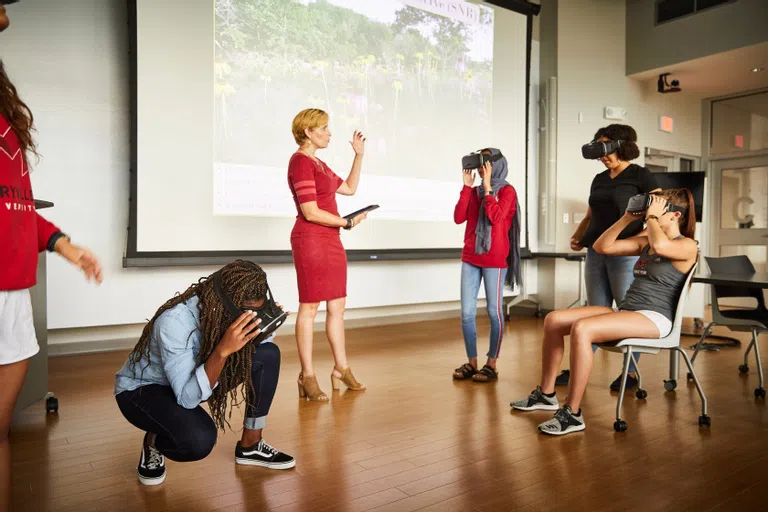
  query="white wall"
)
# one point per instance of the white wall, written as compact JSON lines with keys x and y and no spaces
{"x":591,"y":75}
{"x":716,"y":30}
{"x":70,"y":63}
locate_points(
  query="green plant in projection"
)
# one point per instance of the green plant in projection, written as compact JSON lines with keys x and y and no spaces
{"x":321,"y":66}
{"x":397,"y":88}
{"x":222,"y":89}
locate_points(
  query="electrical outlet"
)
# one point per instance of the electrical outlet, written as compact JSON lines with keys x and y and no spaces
{"x":565,"y":218}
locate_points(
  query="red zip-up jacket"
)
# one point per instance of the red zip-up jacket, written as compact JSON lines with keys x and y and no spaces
{"x":500,"y":209}
{"x":23,"y":232}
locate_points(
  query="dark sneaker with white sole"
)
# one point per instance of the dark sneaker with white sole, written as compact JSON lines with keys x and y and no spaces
{"x":261,"y":454}
{"x":537,"y":401}
{"x":151,"y":469}
{"x":564,"y":422}
{"x":631,"y":383}
{"x":563,"y":378}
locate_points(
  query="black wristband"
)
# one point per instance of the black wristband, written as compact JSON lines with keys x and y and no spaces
{"x":349,"y":224}
{"x":51,"y":246}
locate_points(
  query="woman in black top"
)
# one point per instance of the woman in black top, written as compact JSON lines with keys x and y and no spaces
{"x":608,"y":277}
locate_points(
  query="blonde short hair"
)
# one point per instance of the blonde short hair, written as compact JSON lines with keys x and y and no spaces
{"x":308,"y":118}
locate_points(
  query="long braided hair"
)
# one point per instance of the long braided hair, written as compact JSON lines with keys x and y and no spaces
{"x":17,"y":113}
{"x":241,"y":281}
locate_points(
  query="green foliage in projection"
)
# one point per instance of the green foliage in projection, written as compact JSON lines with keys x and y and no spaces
{"x":272,"y":55}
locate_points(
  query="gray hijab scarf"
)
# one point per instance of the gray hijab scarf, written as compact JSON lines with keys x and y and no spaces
{"x":499,"y":173}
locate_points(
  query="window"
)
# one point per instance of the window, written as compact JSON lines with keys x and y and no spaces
{"x":740,"y":124}
{"x":668,"y":10}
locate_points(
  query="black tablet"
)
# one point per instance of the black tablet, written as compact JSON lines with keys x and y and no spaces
{"x":361,"y":210}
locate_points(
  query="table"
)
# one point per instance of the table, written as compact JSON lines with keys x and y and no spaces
{"x":526,"y":254}
{"x":756,"y":280}
{"x":35,"y":386}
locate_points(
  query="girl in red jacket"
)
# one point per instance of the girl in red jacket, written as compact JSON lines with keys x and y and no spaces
{"x":23,"y":234}
{"x":492,"y":229}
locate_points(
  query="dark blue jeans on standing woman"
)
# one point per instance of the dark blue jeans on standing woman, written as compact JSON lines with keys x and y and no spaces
{"x":607,"y":280}
{"x":494,"y":288}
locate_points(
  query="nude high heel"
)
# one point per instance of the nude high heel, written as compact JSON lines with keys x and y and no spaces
{"x":309,"y":388}
{"x":347,"y":378}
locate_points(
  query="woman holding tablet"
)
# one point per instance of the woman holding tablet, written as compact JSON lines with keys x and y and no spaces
{"x":318,"y":255}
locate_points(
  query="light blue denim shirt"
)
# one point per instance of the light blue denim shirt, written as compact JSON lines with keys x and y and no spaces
{"x":173,"y":349}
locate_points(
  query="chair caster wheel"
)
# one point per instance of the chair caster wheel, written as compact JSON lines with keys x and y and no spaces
{"x":760,"y":393}
{"x":705,"y":421}
{"x":620,"y":426}
{"x":539,"y":314}
{"x":51,"y":404}
{"x":743,"y":368}
{"x":670,"y":385}
{"x":641,"y":394}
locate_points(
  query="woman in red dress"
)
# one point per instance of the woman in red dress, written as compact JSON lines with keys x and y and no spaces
{"x":319,"y":257}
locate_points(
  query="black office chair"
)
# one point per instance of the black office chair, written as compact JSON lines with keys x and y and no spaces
{"x":744,"y":320}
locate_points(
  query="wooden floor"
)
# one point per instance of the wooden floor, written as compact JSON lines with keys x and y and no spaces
{"x":415,"y":440}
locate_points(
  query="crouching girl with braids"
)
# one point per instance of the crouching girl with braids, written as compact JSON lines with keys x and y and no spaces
{"x":191,"y":352}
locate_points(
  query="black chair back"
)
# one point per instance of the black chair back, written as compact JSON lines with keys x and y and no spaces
{"x":734,"y":265}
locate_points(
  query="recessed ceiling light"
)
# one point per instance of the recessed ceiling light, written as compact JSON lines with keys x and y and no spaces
{"x":757,"y":70}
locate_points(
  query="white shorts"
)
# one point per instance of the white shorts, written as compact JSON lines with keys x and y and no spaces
{"x":18,"y":340}
{"x":663,"y":324}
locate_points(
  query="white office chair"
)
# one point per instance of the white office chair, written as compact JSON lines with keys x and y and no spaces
{"x":630,"y":346}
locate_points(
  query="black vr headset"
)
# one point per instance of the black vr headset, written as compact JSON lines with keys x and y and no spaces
{"x":477,"y":159}
{"x":272,"y":317}
{"x":597,"y":149}
{"x":641,"y":202}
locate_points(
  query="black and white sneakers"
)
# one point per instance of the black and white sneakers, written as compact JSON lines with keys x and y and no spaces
{"x":564,"y":422}
{"x":151,"y":469}
{"x":262,"y":454}
{"x":537,"y":401}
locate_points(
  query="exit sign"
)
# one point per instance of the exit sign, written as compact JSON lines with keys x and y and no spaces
{"x":666,"y":124}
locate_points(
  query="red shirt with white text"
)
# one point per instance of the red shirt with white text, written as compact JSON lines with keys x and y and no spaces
{"x":23,"y":232}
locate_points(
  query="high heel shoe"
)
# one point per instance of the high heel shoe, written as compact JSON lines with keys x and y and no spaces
{"x":310,"y":389}
{"x":347,"y":378}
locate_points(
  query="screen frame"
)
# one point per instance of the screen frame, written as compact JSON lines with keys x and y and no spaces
{"x":135,"y":258}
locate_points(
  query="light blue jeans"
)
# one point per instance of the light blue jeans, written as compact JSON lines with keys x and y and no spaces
{"x":607,"y":280}
{"x":494,"y":288}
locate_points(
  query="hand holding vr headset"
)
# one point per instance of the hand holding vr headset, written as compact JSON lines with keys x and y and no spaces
{"x":475,"y":161}
{"x":251,"y":323}
{"x":650,"y":205}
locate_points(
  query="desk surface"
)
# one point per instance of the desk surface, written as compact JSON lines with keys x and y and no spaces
{"x":757,"y":280}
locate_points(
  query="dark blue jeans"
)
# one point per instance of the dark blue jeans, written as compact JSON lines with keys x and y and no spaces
{"x":186,"y":435}
{"x":607,"y":280}
{"x":494,"y":287}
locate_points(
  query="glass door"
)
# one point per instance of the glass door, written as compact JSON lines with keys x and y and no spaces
{"x":741,"y":225}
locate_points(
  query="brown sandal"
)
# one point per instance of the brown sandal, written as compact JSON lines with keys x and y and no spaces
{"x":309,"y":389}
{"x":486,"y":374}
{"x":464,"y":371}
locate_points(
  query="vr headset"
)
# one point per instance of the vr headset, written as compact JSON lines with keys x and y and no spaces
{"x":597,"y":149}
{"x":641,"y":202}
{"x":272,"y":317}
{"x":477,"y":159}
